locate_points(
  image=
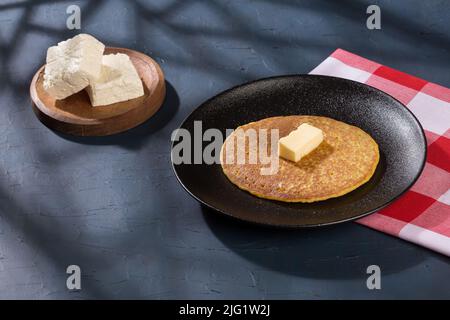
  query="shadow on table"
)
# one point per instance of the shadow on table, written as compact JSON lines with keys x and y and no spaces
{"x":39,"y":234}
{"x":340,"y":251}
{"x":134,"y":138}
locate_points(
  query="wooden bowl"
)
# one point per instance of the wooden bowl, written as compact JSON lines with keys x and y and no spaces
{"x":76,"y":116}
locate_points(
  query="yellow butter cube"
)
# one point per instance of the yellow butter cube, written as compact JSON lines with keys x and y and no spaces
{"x":300,"y":142}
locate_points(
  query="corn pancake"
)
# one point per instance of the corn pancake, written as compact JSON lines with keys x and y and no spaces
{"x":346,"y":159}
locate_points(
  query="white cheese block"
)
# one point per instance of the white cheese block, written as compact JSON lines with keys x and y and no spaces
{"x":300,"y":142}
{"x":118,"y":81}
{"x":72,"y":64}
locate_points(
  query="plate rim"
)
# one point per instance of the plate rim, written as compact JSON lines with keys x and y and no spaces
{"x":303,"y":226}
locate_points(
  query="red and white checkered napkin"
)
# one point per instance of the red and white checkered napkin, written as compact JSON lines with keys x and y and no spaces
{"x":422,"y":215}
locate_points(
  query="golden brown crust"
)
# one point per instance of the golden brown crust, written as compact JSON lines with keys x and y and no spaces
{"x":346,"y":159}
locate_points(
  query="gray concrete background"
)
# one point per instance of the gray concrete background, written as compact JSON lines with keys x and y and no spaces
{"x":113,"y":206}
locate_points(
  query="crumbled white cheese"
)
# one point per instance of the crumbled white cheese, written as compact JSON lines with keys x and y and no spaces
{"x":72,"y":64}
{"x":118,"y":81}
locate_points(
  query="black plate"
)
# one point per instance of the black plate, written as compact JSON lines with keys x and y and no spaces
{"x":398,"y":133}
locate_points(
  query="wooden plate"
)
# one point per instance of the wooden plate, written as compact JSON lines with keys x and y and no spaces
{"x":75,"y":115}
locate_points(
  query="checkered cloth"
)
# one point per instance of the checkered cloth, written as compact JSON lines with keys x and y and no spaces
{"x":421,"y":215}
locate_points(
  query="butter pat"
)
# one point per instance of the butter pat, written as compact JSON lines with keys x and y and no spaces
{"x":300,"y":142}
{"x":72,"y":64}
{"x":118,"y":81}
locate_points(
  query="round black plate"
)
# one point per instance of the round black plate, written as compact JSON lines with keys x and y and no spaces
{"x":398,"y":133}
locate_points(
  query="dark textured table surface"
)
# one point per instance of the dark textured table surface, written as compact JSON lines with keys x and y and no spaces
{"x":113,"y":206}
